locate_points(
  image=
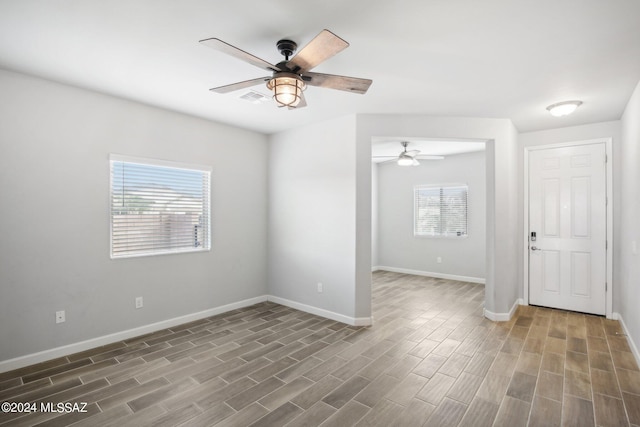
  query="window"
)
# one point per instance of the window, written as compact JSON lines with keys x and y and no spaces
{"x":158,"y":207}
{"x":440,"y":211}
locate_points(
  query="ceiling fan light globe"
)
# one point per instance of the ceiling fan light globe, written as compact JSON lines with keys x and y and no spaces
{"x":404,"y":160}
{"x":287,"y":89}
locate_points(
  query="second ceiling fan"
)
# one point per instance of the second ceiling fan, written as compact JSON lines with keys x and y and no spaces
{"x":408,"y":157}
{"x":290,"y":77}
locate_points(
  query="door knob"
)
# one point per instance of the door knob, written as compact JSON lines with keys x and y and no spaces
{"x":533,"y":248}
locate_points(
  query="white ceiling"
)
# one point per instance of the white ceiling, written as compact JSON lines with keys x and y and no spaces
{"x":489,"y":58}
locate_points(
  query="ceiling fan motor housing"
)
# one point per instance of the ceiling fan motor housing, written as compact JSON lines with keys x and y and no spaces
{"x":286,"y":48}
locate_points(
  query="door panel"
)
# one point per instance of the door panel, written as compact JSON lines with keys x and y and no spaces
{"x":551,"y":271}
{"x":567,"y":211}
{"x":551,"y":208}
{"x":580,"y":213}
{"x":580,"y":277}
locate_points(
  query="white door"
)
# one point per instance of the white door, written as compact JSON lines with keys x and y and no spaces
{"x":567,"y":213}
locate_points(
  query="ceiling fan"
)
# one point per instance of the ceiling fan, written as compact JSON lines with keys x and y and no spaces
{"x":290,"y":77}
{"x":408,"y":158}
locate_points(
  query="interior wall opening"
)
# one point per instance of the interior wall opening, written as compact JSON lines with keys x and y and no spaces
{"x":397,"y":208}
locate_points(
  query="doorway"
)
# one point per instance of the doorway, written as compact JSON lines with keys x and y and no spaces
{"x":444,"y":166}
{"x":568,"y":226}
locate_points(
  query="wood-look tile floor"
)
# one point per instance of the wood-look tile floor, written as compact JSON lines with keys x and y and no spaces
{"x":430,"y":359}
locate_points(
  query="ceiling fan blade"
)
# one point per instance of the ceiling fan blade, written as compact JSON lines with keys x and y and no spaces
{"x":240,"y":85}
{"x":429,"y":157}
{"x":417,"y":157}
{"x":412,"y":153}
{"x":395,"y":159}
{"x":303,"y":101}
{"x":332,"y":81}
{"x":322,"y":47}
{"x":225,"y":47}
{"x":415,"y":163}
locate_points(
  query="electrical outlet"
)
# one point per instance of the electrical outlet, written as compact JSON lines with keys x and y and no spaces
{"x":319,"y":287}
{"x":439,"y":260}
{"x":139,"y":302}
{"x":60,"y":316}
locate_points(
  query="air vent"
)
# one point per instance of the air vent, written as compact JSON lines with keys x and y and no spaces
{"x":255,"y":97}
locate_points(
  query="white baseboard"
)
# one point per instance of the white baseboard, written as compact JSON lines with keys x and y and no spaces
{"x":30,"y":359}
{"x":503,"y":317}
{"x":354,"y":321}
{"x":430,"y":274}
{"x":634,"y":348}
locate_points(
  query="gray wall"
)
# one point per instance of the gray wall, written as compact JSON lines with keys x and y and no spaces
{"x":627,"y":298}
{"x":400,"y":249}
{"x":55,"y":142}
{"x":312,"y":218}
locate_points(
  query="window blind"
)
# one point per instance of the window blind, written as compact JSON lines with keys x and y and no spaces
{"x":440,"y":210}
{"x":158,"y":207}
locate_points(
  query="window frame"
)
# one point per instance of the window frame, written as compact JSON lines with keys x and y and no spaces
{"x":441,"y":188}
{"x":206,"y":170}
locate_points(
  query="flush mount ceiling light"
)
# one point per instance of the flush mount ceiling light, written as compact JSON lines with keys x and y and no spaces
{"x":563,"y":108}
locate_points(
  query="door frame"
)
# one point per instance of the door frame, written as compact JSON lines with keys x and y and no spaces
{"x":609,"y":219}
